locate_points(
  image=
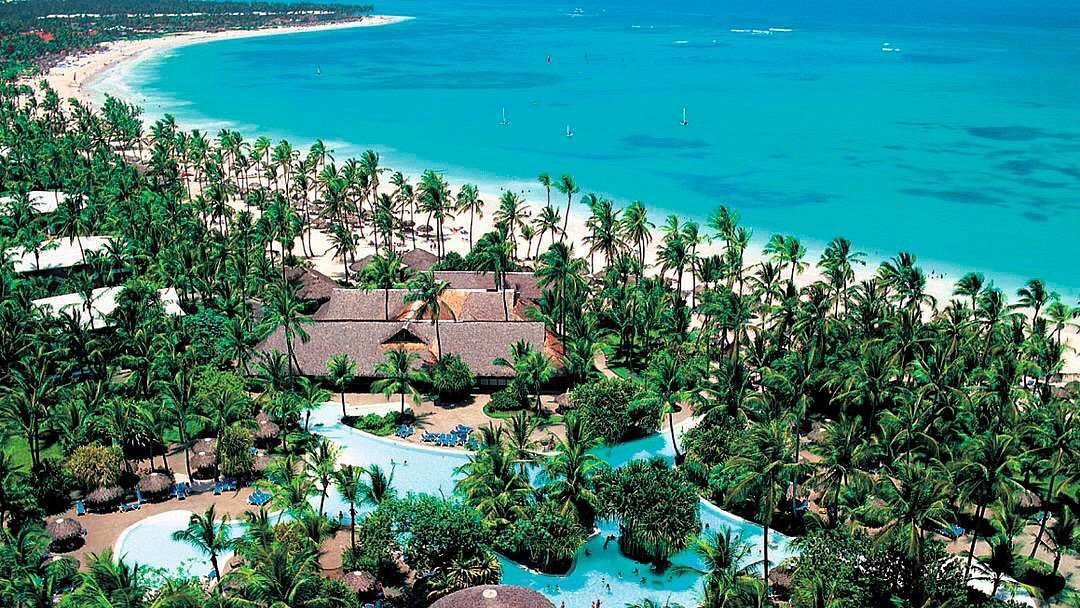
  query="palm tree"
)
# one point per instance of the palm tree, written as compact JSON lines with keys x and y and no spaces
{"x":468,"y":200}
{"x":178,"y":398}
{"x":763,"y":472}
{"x":569,"y":472}
{"x":545,"y":180}
{"x":384,"y":272}
{"x":320,"y":464}
{"x":984,"y":476}
{"x":1064,"y":534}
{"x":286,"y":310}
{"x":1035,"y":295}
{"x":728,"y":575}
{"x":344,"y":243}
{"x":426,"y":290}
{"x":495,"y":254}
{"x":636,"y":227}
{"x":970,"y":286}
{"x":379,"y":486}
{"x":547,"y":221}
{"x":340,"y":369}
{"x":534,"y":369}
{"x":349,"y":482}
{"x":209,"y":535}
{"x":567,"y":186}
{"x":396,"y":375}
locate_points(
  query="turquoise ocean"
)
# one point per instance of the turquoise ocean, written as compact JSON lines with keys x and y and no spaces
{"x":948,"y":129}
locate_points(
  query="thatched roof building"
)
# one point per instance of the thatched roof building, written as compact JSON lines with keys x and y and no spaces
{"x":310,"y":284}
{"x":366,"y":342}
{"x":494,"y":596}
{"x":154,"y":485}
{"x":63,"y":530}
{"x":363,"y":305}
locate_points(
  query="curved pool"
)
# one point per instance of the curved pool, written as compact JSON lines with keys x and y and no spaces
{"x":598,"y":573}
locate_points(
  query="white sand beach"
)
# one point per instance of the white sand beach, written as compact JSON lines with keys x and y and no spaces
{"x":75,"y":78}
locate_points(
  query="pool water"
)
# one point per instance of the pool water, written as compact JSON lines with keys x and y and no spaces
{"x":149,"y":543}
{"x":599,"y":573}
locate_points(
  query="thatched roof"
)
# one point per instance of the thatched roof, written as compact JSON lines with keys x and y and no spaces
{"x":362,"y":305}
{"x":359,"y":265}
{"x":105,"y":496}
{"x":419,"y":260}
{"x":360,"y":582}
{"x":203,"y":461}
{"x":366,"y":342}
{"x":564,"y":401}
{"x":1030,"y":500}
{"x":310,"y":284}
{"x":523,"y":282}
{"x":204,"y":445}
{"x":267,"y":430}
{"x":488,"y":306}
{"x":494,"y":596}
{"x":154,"y":483}
{"x":63,"y":529}
{"x":262,"y":417}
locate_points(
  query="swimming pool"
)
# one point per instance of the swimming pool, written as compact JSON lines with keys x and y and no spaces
{"x":598,"y":573}
{"x":149,"y":542}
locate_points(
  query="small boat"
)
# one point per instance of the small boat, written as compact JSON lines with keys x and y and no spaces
{"x":505,"y":121}
{"x":569,"y":131}
{"x":318,"y":70}
{"x":684,"y":122}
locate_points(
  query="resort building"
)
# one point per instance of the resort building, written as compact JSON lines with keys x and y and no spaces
{"x":41,"y":201}
{"x":55,"y":255}
{"x":102,"y":304}
{"x":476,"y":322}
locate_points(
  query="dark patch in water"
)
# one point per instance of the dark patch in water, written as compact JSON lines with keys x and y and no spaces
{"x":934,"y":59}
{"x":720,"y":188}
{"x":970,"y":197}
{"x":1018,"y":133}
{"x":1035,"y":217}
{"x":671,"y":143}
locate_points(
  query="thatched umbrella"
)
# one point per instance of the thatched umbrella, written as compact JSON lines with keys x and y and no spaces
{"x":154,"y":485}
{"x":362,"y":583}
{"x":780,"y":579}
{"x":204,"y":445}
{"x":203,"y":461}
{"x":1030,"y":500}
{"x":261,"y":417}
{"x":104,"y":498}
{"x":267,"y":431}
{"x":63,"y":530}
{"x":494,"y":596}
{"x":564,"y":402}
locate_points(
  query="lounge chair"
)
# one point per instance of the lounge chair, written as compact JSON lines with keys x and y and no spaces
{"x":217,"y":489}
{"x":80,"y":507}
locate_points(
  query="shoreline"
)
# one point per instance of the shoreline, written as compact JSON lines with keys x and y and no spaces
{"x":77,"y":78}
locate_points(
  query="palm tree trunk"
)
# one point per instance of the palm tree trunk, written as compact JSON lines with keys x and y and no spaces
{"x":1046,"y":505}
{"x":671,"y":428}
{"x":352,"y":526}
{"x":974,"y":537}
{"x":343,"y":414}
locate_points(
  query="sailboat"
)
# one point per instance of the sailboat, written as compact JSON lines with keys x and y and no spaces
{"x":684,"y":122}
{"x":504,"y":122}
{"x":318,"y":70}
{"x":569,"y":131}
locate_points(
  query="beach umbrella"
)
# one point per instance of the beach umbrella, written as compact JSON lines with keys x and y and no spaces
{"x":261,"y":417}
{"x":204,"y":445}
{"x":154,"y":484}
{"x":360,"y":582}
{"x":63,"y":530}
{"x":102,"y":498}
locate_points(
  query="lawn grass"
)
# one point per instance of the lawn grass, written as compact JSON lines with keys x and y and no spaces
{"x":16,"y":448}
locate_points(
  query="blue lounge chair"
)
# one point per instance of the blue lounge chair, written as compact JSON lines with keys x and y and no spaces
{"x":217,"y":489}
{"x":80,"y":507}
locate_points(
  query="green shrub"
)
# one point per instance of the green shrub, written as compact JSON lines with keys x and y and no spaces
{"x":375,"y":424}
{"x":451,"y":377}
{"x":608,"y":408}
{"x":544,"y":538}
{"x":451,"y":260}
{"x":94,"y":466}
{"x":375,"y":546}
{"x":234,"y":451}
{"x":510,"y":399}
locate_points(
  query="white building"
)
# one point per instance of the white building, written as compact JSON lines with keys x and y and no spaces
{"x":57,"y":254}
{"x":102,"y":304}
